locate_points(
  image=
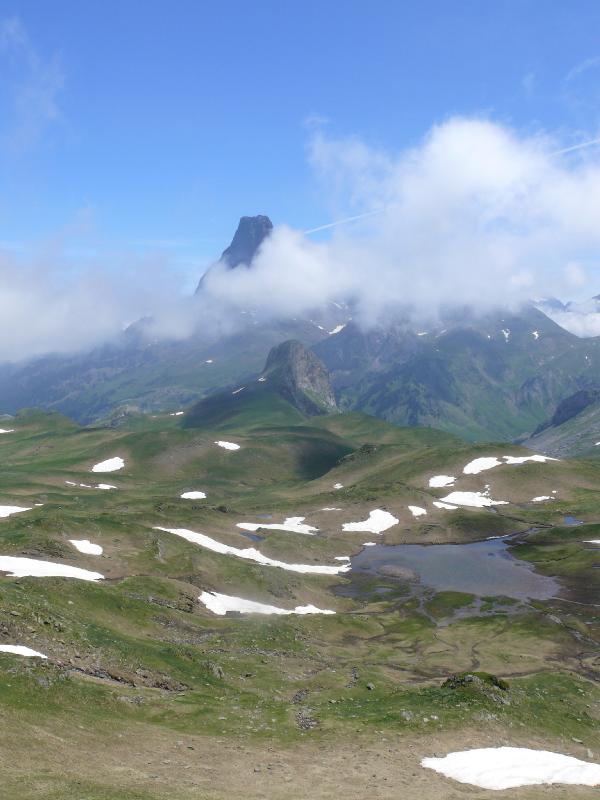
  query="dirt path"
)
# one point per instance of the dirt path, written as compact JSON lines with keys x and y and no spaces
{"x":163,"y":764}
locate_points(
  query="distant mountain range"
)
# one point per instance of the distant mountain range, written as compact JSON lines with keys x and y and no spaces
{"x":493,"y":376}
{"x":140,"y":373}
{"x":496,"y":376}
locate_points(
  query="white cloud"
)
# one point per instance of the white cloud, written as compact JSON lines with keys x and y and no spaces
{"x":575,"y":274}
{"x":476,"y":213}
{"x":50,"y":303}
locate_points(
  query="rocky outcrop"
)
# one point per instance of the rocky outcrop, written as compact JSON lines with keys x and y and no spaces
{"x":297,"y":375}
{"x":570,"y":407}
{"x":251,"y":233}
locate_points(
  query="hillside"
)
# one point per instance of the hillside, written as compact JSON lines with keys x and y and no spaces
{"x":490,"y":377}
{"x":142,"y":655}
{"x":574,"y":428}
{"x":293,"y":385}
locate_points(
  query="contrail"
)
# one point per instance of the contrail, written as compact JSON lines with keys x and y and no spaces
{"x":344,"y":221}
{"x":576,"y":147}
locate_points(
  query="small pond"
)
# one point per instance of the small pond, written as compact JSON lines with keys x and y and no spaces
{"x":482,"y":568}
{"x":254,"y":537}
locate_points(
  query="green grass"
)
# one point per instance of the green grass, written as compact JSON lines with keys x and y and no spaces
{"x":138,"y":649}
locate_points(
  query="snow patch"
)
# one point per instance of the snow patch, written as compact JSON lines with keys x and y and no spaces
{"x":338,"y":485}
{"x":8,"y":430}
{"x":523,"y":459}
{"x":337,"y":329}
{"x":472,"y":499}
{"x":489,"y":462}
{"x":222,"y":603}
{"x":481,"y":464}
{"x":7,"y":511}
{"x":193,"y":496}
{"x":19,"y":567}
{"x":535,"y":334}
{"x":228,"y":445}
{"x":20,"y":650}
{"x":237,"y":391}
{"x":417,"y":511}
{"x":110,"y":465}
{"x":330,"y":508}
{"x":506,"y":334}
{"x":499,"y":768}
{"x":85,"y":546}
{"x":291,"y":524}
{"x":378,"y":522}
{"x":251,"y":553}
{"x":541,"y":498}
{"x":103,"y":486}
{"x":441,"y":481}
{"x":176,"y":413}
{"x":447,"y":506}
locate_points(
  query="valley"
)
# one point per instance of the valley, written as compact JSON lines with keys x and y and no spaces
{"x":141,"y":675}
{"x":299,"y":401}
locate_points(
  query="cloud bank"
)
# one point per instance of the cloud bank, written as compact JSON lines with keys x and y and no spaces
{"x":476,"y":213}
{"x":48,"y":305}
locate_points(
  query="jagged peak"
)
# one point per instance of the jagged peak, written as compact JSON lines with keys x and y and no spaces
{"x":250,"y":234}
{"x":247,"y":239}
{"x":300,"y":377}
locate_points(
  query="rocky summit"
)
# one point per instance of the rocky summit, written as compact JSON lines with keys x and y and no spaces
{"x":300,"y":377}
{"x":250,"y":234}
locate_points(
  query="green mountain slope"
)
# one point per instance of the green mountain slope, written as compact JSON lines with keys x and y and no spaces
{"x":293,"y":385}
{"x":574,"y":430}
{"x":493,"y":377}
{"x":138,"y":666}
{"x":147,"y":376}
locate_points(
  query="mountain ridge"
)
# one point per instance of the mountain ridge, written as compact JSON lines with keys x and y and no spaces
{"x":497,"y":375}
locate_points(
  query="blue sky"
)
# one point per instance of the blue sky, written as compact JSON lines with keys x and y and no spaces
{"x":143,"y":126}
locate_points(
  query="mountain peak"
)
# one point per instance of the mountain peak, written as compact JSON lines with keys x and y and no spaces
{"x":300,"y":377}
{"x":250,"y":234}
